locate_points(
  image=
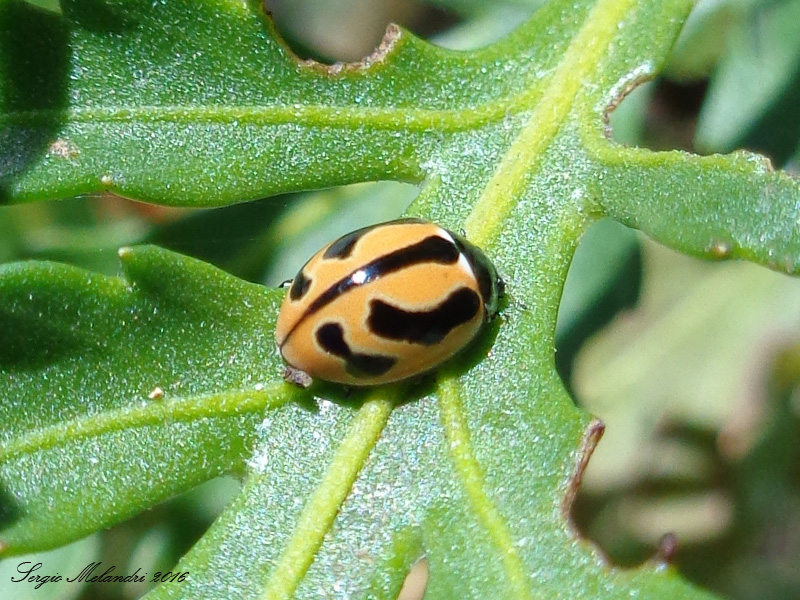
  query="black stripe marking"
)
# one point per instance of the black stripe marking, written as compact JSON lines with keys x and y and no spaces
{"x":300,"y":286}
{"x":343,"y":247}
{"x":425,"y":327}
{"x":331,"y":338}
{"x":432,"y":249}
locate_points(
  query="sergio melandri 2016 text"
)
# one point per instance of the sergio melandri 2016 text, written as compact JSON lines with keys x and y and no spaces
{"x":27,"y":574}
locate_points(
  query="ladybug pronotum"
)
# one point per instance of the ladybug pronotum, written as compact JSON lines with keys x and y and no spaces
{"x":385,"y":303}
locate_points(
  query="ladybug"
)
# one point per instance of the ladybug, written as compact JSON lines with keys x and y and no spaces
{"x":385,"y":303}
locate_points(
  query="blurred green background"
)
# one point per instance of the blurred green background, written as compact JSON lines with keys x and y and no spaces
{"x":693,"y":366}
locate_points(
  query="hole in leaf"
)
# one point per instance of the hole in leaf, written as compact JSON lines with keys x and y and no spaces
{"x":267,"y":241}
{"x":84,"y":232}
{"x":659,"y":115}
{"x":264,"y":241}
{"x":349,"y":30}
{"x":416,"y":582}
{"x":697,"y":387}
{"x":316,"y":218}
{"x":603,"y":279}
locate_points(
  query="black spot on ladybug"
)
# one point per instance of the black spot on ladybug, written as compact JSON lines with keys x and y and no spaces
{"x":300,"y":286}
{"x":331,"y":338}
{"x":343,"y":247}
{"x":369,"y":365}
{"x":424,"y":327}
{"x":432,"y":249}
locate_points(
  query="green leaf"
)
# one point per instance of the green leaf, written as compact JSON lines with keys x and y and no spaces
{"x":195,"y":109}
{"x":112,"y":388}
{"x":473,"y":467}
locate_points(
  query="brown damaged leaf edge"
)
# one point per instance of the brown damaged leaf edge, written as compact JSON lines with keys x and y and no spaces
{"x":390,"y":38}
{"x":668,"y":543}
{"x":667,"y":546}
{"x":630,"y":85}
{"x":591,"y":437}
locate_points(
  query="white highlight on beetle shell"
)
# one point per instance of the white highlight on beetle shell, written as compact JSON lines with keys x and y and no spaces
{"x":359,"y":277}
{"x":445,"y":235}
{"x":464,"y":265}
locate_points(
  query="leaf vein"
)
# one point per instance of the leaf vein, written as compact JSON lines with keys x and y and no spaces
{"x":585,"y":52}
{"x":152,"y":413}
{"x":299,"y":115}
{"x":469,"y":470}
{"x":322,"y":507}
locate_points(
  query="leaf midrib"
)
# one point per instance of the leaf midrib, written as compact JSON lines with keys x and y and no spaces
{"x":468,"y":468}
{"x":483,"y":224}
{"x":322,"y":507}
{"x":413,"y":119}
